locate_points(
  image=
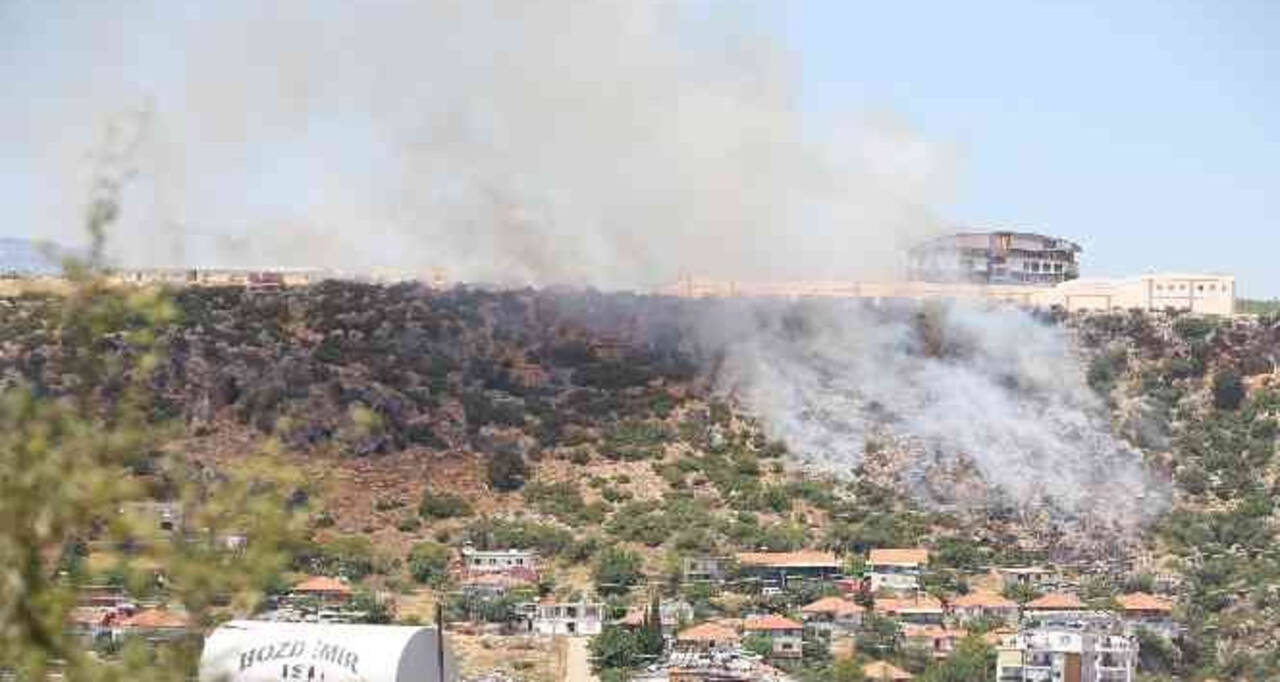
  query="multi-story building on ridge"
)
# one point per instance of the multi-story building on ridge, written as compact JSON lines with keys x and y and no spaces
{"x":1081,"y":651}
{"x":995,"y":258}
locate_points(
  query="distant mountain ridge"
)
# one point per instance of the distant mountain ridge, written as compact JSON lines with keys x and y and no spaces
{"x":30,"y":257}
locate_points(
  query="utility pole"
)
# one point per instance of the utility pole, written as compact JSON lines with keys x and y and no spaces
{"x":440,"y":641}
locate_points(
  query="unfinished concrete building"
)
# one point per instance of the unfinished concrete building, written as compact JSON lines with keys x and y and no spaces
{"x":995,"y":258}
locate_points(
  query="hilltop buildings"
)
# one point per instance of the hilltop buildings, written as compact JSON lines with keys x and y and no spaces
{"x":995,"y":258}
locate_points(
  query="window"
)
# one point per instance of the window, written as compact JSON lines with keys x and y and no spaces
{"x":1200,"y":287}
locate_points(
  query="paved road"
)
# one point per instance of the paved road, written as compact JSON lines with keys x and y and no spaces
{"x":577,"y":668}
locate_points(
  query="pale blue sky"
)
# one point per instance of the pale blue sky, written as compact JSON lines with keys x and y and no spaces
{"x":1146,"y":130}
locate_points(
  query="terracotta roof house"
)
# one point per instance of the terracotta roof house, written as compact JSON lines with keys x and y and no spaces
{"x":831,"y":613}
{"x":707,"y":637}
{"x":879,"y":671}
{"x":919,"y":610}
{"x":1149,"y":611}
{"x":1055,"y":601}
{"x":770,"y":623}
{"x":898,"y":557}
{"x":786,"y":634}
{"x":896,"y":569}
{"x":324,"y":588}
{"x":156,"y":624}
{"x":1143,"y":602}
{"x":980,"y":604}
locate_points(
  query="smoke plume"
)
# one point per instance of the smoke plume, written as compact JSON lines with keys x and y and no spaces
{"x":942,"y":385}
{"x":615,"y":144}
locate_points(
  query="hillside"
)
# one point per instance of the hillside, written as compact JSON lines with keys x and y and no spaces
{"x":577,"y":422}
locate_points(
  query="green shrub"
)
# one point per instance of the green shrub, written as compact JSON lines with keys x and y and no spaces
{"x":616,"y":571}
{"x":1228,"y":389}
{"x":429,"y":562}
{"x":436,"y":505}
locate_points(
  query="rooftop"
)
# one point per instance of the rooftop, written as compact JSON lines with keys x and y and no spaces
{"x":898,"y":557}
{"x":921,"y":604}
{"x":770,"y":622}
{"x":157,"y":619}
{"x":879,"y":671}
{"x":322,"y":584}
{"x":707,"y":632}
{"x":832,"y":605}
{"x":1056,"y":601}
{"x":1141,"y":601}
{"x":986,"y":600}
{"x":802,"y":559}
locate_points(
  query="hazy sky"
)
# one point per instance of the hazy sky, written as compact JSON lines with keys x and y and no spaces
{"x":1146,"y":130}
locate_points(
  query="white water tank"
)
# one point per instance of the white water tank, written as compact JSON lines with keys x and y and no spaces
{"x":259,"y":651}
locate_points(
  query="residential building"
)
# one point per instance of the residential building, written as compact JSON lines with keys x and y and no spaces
{"x":158,"y":624}
{"x":1003,"y":257}
{"x":323,"y":589}
{"x":702,"y":569}
{"x":832,"y":614}
{"x":786,"y":635}
{"x":774,"y":569}
{"x":1035,"y":578}
{"x":880,"y":671}
{"x":935,"y":640}
{"x":483,"y":560}
{"x":1066,"y":654}
{"x":707,"y":637}
{"x":498,"y":583}
{"x":896,"y":570}
{"x":981,"y":605}
{"x":1154,"y":613}
{"x":672,"y":614}
{"x":1054,"y":606}
{"x":576,"y":619}
{"x":920,"y":609}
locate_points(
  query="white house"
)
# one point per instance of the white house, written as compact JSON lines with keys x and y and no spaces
{"x":897,"y":570}
{"x":574,"y":619}
{"x":484,"y":560}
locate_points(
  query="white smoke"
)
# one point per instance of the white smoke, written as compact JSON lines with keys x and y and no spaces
{"x":994,"y":387}
{"x":618,"y":143}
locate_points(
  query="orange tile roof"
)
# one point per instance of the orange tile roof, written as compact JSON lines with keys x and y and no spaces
{"x":898,"y":557}
{"x":879,"y":671}
{"x":802,"y":559}
{"x":921,"y":604}
{"x":771,"y":622}
{"x":1141,"y":601}
{"x":157,"y":619}
{"x":985,"y":600}
{"x":322,"y":584}
{"x":833,"y":605}
{"x":932,"y":631}
{"x":707,"y":632}
{"x":1057,"y":601}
